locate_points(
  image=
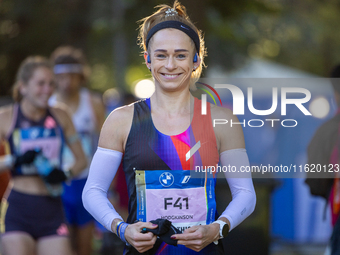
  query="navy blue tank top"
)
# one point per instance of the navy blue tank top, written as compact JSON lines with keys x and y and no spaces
{"x":148,"y":149}
{"x":25,"y":134}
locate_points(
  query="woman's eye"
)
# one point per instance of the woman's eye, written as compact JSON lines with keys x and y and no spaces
{"x":160,"y":56}
{"x":181,"y":56}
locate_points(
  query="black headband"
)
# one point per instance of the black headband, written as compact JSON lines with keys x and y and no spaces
{"x":177,"y":25}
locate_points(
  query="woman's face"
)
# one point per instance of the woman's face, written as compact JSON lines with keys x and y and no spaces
{"x":171,"y":55}
{"x":39,"y":87}
{"x":68,"y":83}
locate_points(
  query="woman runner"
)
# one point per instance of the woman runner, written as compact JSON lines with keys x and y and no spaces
{"x":160,"y":140}
{"x":32,"y":218}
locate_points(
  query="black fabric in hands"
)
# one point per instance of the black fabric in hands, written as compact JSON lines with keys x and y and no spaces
{"x":164,"y":231}
{"x":56,"y":176}
{"x":26,"y":158}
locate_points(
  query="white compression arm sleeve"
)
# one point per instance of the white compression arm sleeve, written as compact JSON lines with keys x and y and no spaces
{"x":103,"y":169}
{"x":241,"y":187}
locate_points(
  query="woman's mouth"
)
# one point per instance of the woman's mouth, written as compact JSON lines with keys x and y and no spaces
{"x":170,"y":76}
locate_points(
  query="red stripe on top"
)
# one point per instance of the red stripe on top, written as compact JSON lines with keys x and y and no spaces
{"x":204,"y":132}
{"x":182,"y":150}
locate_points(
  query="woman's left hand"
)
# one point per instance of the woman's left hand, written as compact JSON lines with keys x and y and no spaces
{"x":198,"y":237}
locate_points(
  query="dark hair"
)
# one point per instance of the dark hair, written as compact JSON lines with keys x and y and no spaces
{"x":25,"y":72}
{"x":336,"y":82}
{"x":182,"y":16}
{"x":71,"y":55}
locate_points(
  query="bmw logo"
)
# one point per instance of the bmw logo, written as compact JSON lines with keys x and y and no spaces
{"x":166,"y":179}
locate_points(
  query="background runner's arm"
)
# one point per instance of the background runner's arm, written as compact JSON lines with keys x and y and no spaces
{"x":74,"y":144}
{"x":103,"y":169}
{"x":241,"y":187}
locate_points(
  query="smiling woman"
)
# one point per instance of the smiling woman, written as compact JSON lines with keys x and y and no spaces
{"x":171,"y":55}
{"x":173,"y":19}
{"x":160,"y":141}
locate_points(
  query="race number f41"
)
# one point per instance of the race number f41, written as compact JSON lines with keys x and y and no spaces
{"x":168,"y":201}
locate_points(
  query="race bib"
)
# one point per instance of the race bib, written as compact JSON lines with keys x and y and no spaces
{"x":45,"y":139}
{"x":177,"y":196}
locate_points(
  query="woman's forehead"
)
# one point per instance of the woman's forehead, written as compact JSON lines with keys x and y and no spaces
{"x":171,"y":38}
{"x":40,"y":72}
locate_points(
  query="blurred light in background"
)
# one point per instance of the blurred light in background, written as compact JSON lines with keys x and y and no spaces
{"x":319,"y":107}
{"x":144,"y":88}
{"x":134,"y":74}
{"x":10,"y":28}
{"x":271,"y":48}
{"x":111,"y":97}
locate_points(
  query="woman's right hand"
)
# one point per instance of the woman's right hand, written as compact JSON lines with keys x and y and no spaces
{"x":26,"y":158}
{"x":141,"y":242}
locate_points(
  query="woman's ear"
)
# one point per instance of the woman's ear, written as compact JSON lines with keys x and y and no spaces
{"x":22,"y":88}
{"x":147,"y":60}
{"x":197,"y":61}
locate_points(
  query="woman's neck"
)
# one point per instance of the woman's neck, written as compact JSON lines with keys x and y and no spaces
{"x":172,"y":103}
{"x":31,"y":111}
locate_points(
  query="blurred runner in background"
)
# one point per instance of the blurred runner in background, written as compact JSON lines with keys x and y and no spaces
{"x":32,"y":216}
{"x":88,"y":114}
{"x":323,"y":150}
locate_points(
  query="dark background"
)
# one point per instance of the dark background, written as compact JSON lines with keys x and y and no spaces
{"x":300,"y":34}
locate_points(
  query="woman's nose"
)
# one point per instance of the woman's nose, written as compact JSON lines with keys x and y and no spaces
{"x":171,"y":63}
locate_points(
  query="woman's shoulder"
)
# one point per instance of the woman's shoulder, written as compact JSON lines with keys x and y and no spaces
{"x":6,"y":113}
{"x":219,"y":112}
{"x":120,"y":115}
{"x":116,"y":128}
{"x":227,"y":128}
{"x":6,"y":110}
{"x":61,"y":112}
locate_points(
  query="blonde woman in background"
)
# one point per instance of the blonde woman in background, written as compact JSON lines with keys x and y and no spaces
{"x":32,"y":216}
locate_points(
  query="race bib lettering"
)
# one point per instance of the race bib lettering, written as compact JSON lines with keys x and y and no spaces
{"x":175,"y":196}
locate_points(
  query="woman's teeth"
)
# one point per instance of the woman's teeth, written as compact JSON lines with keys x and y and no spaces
{"x":170,"y":75}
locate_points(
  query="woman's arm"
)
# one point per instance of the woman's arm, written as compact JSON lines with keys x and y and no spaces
{"x":241,"y":187}
{"x":231,"y":142}
{"x":6,"y":161}
{"x":233,"y":153}
{"x":72,"y":141}
{"x":103,"y":170}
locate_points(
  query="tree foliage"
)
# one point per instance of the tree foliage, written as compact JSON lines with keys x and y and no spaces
{"x":301,"y":34}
